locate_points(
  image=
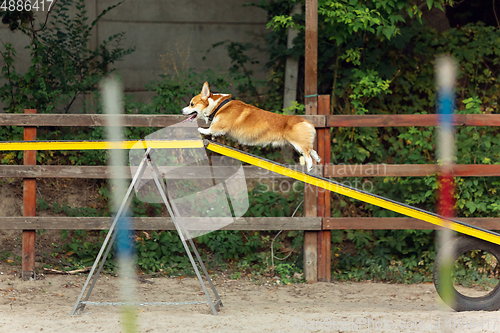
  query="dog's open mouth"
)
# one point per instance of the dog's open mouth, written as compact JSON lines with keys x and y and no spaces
{"x":191,"y":117}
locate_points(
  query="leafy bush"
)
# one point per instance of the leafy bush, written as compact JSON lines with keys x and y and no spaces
{"x":268,"y":201}
{"x":369,"y":61}
{"x":476,"y":268}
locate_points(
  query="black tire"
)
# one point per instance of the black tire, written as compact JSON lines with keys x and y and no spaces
{"x":461,"y":245}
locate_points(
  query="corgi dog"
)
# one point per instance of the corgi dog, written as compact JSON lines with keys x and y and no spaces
{"x":250,"y":125}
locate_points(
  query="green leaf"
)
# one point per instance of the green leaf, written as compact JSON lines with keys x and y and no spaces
{"x":471,"y":206}
{"x":152,"y":246}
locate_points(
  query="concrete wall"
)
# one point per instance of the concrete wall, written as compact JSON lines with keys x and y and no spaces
{"x":169,"y":36}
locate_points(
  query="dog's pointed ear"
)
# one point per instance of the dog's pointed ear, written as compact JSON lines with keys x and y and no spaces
{"x":205,"y":91}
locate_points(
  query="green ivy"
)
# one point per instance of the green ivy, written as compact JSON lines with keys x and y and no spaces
{"x":62,"y":66}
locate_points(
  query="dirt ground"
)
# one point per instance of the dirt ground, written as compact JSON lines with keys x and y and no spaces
{"x":45,"y":305}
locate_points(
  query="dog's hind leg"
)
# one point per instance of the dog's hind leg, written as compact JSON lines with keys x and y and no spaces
{"x":309,"y":162}
{"x":306,"y":155}
{"x":315,"y":156}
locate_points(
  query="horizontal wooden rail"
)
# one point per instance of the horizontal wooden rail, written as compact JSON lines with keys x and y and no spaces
{"x":248,"y":223}
{"x":157,"y":223}
{"x":409,"y":120}
{"x":409,"y":170}
{"x":103,"y":172}
{"x":129,"y":120}
{"x":251,"y":172}
{"x":72,"y":120}
{"x":374,"y":223}
{"x":146,"y":120}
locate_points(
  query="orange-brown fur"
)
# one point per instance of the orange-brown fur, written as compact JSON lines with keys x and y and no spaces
{"x":250,"y":125}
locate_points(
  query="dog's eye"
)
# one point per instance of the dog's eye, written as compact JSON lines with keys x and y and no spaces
{"x":192,"y":104}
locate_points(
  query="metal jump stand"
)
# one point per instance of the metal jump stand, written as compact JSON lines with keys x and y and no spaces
{"x":146,"y":162}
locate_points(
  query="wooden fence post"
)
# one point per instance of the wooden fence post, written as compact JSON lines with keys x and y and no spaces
{"x":324,"y":239}
{"x":311,"y":108}
{"x":29,"y":206}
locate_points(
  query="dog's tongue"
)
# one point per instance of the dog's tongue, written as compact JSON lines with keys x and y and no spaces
{"x":191,"y":117}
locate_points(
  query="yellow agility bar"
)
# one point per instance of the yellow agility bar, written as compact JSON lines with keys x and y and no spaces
{"x":95,"y":145}
{"x":356,"y":194}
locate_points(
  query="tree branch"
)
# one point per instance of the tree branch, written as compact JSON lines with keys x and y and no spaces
{"x":47,"y":17}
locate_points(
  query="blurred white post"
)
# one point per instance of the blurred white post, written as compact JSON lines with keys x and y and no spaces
{"x":112,"y":99}
{"x":446,"y":73}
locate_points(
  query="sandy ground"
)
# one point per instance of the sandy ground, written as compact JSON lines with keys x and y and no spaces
{"x":45,"y":305}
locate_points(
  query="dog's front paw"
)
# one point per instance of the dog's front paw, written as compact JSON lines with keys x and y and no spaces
{"x":204,"y":131}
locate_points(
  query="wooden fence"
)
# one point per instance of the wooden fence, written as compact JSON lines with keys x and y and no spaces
{"x":318,"y":218}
